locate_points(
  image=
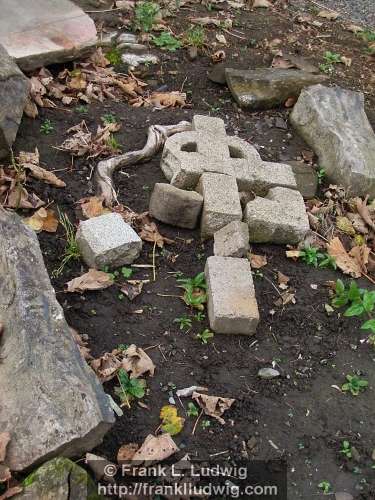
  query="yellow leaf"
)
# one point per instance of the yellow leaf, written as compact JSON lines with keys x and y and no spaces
{"x":171,"y":422}
{"x":344,"y":224}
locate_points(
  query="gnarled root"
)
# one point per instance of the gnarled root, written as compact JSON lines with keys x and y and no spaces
{"x":157,"y":135}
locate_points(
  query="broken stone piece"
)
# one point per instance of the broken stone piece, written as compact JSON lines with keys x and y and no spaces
{"x":14,"y":89}
{"x":221,"y":203}
{"x":266,"y":88}
{"x":268,"y":373}
{"x":231,"y":303}
{"x":232,"y":240}
{"x":334,"y":124}
{"x":280,"y":217}
{"x":260,"y":177}
{"x":175,"y":206}
{"x":59,"y":479}
{"x":51,"y":402}
{"x":108,"y":241}
{"x":134,"y":60}
{"x":44,"y":32}
{"x":306,"y":178}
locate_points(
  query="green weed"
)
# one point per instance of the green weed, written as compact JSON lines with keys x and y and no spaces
{"x":346,"y":449}
{"x":46,"y":127}
{"x":354,"y":385}
{"x":167,"y":41}
{"x":192,"y":410}
{"x":109,"y":118}
{"x":145,"y":16}
{"x":205,"y":336}
{"x":114,"y":56}
{"x":71,"y":251}
{"x":196,"y":37}
{"x":129,"y":388}
{"x":184,"y":322}
{"x":330,"y":58}
{"x":195,"y":291}
{"x":313,"y":257}
{"x":325,"y":486}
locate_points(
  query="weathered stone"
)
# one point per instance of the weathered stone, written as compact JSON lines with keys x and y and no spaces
{"x":280,"y":217}
{"x":134,"y":60}
{"x":232,"y":307}
{"x":306,"y":178}
{"x":51,"y":402}
{"x":59,"y":479}
{"x":107,"y":39}
{"x":217,"y":74}
{"x":266,"y":88}
{"x":268,"y":373}
{"x":334,"y":124}
{"x":14,"y":89}
{"x":108,"y":241}
{"x":43,"y":32}
{"x":127,"y":38}
{"x":232,"y":240}
{"x":175,"y":206}
{"x":221,"y":203}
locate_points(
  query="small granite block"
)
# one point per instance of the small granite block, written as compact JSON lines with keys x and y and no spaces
{"x":232,"y":240}
{"x":232,"y":305}
{"x":261,"y":177}
{"x":221,"y":202}
{"x":280,"y":217}
{"x":108,"y":241}
{"x":175,"y":206}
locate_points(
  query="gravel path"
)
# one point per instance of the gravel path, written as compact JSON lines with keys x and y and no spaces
{"x":362,"y":11}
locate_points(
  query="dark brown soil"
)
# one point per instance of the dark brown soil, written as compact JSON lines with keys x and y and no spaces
{"x":300,"y":416}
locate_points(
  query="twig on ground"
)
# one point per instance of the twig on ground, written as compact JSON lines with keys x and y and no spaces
{"x":196,"y":423}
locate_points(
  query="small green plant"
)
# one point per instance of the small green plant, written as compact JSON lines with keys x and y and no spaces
{"x":167,"y":41}
{"x":346,"y":449}
{"x":325,"y":486}
{"x":81,"y":108}
{"x":184,"y":322}
{"x":354,"y":385}
{"x":114,"y":56}
{"x":205,"y":336}
{"x":321,"y":174}
{"x":330,"y":58}
{"x":46,"y":127}
{"x":328,"y":261}
{"x":195,"y":37}
{"x":145,"y":16}
{"x":109,"y":118}
{"x":129,"y":388}
{"x":71,"y":251}
{"x":113,"y":143}
{"x":195,"y":291}
{"x":122,"y":347}
{"x":192,"y":410}
{"x":126,"y":272}
{"x":313,"y":257}
{"x":200,"y":316}
{"x":367,"y":35}
{"x":206,"y":424}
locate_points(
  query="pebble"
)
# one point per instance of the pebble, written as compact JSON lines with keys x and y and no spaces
{"x":268,"y":373}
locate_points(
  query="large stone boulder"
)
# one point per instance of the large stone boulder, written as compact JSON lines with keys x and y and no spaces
{"x":59,"y":479}
{"x":50,"y":400}
{"x":266,"y":88}
{"x":14,"y":89}
{"x":334,"y":124}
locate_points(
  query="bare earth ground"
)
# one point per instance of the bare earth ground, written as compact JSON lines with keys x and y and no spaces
{"x":298,"y":417}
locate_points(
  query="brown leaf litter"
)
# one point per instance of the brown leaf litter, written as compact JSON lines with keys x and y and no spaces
{"x":213,"y":406}
{"x":92,"y":280}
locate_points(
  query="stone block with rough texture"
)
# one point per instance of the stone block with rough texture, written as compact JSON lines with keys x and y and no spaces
{"x":232,"y":240}
{"x":37,"y":33}
{"x":175,"y":206}
{"x":334,"y":124}
{"x":14,"y":89}
{"x":51,"y":402}
{"x":306,"y":178}
{"x":221,"y":203}
{"x":108,"y":241}
{"x":280,"y":217}
{"x":231,"y":303}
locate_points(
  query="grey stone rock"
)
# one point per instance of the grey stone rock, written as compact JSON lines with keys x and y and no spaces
{"x":175,"y":206}
{"x":217,"y":74}
{"x":231,"y":303}
{"x":306,"y":178}
{"x":14,"y":89}
{"x":232,"y":240}
{"x":260,"y":177}
{"x":280,"y":217}
{"x":134,"y":60}
{"x":108,"y":241}
{"x":59,"y":479}
{"x":268,"y":373}
{"x":266,"y":88}
{"x":127,"y":38}
{"x":221,"y":203}
{"x":51,"y":402}
{"x":107,"y":39}
{"x":334,"y":124}
{"x":44,"y":32}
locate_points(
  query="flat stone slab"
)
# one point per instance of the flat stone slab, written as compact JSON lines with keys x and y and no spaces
{"x":175,"y":206}
{"x":41,"y":32}
{"x":51,"y":402}
{"x":266,"y":88}
{"x":14,"y":89}
{"x":232,"y":240}
{"x":280,"y":217}
{"x":221,"y":203}
{"x":334,"y":124}
{"x":232,"y":307}
{"x":108,"y":241}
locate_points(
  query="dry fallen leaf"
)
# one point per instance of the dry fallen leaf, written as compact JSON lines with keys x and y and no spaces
{"x":106,"y":366}
{"x":354,"y":28}
{"x":92,"y":280}
{"x":292,"y":254}
{"x":344,"y":261}
{"x":218,"y":56}
{"x":363,"y":211}
{"x":213,"y":406}
{"x":221,"y":38}
{"x":127,"y":452}
{"x":155,"y":449}
{"x":262,"y":4}
{"x":92,"y":207}
{"x":345,"y":225}
{"x":30,"y":161}
{"x":282,"y":278}
{"x":132,"y":288}
{"x":137,"y":362}
{"x":347,"y":61}
{"x":328,"y":14}
{"x":285,"y":298}
{"x":257,"y":261}
{"x":43,"y":220}
{"x":82,"y":345}
{"x":171,"y":422}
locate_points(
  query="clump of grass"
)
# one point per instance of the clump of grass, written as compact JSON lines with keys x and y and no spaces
{"x":71,"y":251}
{"x":145,"y":16}
{"x":114,"y":56}
{"x":196,"y":37}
